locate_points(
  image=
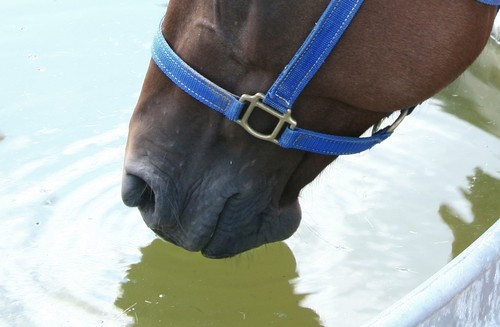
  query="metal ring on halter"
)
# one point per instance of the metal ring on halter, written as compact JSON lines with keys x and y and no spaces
{"x":403,"y":113}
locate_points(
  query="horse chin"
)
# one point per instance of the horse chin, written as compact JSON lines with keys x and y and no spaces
{"x":228,"y":233}
{"x":226,"y":243}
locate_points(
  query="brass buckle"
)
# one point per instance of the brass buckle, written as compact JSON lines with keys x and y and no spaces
{"x":255,"y":101}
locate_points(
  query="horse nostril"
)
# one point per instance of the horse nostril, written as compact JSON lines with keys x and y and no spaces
{"x":135,"y":191}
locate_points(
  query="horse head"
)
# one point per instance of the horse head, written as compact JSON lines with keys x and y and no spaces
{"x":204,"y":183}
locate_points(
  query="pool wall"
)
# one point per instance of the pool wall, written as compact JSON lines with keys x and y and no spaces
{"x":466,"y":292}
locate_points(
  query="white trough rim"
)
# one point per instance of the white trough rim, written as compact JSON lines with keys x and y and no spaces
{"x":472,"y":278}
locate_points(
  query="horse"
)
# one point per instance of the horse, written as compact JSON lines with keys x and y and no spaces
{"x":204,"y":183}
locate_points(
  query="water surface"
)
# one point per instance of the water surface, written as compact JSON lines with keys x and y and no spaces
{"x":374,"y":226}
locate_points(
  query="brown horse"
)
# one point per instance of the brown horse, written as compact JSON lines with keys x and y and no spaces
{"x":202,"y":182}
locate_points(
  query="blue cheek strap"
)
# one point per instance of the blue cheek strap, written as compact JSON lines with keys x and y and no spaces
{"x":279,"y":99}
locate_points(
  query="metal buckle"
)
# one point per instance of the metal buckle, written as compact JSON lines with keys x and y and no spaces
{"x":255,"y":101}
{"x":403,"y":113}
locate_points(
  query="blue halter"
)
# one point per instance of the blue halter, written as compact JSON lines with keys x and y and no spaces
{"x":490,"y":2}
{"x":279,"y":99}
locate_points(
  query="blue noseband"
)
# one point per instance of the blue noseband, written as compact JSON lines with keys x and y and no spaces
{"x":279,"y":99}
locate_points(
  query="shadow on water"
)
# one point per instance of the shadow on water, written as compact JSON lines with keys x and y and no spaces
{"x":171,"y":287}
{"x":482,"y":194}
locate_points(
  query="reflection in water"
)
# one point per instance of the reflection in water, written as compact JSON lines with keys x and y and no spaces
{"x":473,"y":97}
{"x":483,"y":194}
{"x":370,"y":233}
{"x":171,"y":287}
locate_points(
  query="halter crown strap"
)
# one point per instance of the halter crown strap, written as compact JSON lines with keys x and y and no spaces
{"x":282,"y":94}
{"x":311,"y":55}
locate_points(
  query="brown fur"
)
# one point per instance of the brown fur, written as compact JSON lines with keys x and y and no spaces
{"x":202,"y":182}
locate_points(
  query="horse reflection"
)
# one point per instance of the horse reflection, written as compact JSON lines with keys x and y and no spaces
{"x":175,"y":288}
{"x":483,"y":194}
{"x":202,"y":182}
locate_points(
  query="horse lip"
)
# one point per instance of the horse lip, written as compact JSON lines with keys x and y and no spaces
{"x":208,"y":252}
{"x":288,"y":219}
{"x":210,"y":255}
{"x":192,"y":242}
{"x":194,"y":245}
{"x":208,"y":240}
{"x":164,"y":237}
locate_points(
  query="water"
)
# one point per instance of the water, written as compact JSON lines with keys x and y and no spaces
{"x":375,"y":225}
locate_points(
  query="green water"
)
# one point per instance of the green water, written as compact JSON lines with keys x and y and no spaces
{"x":375,"y":225}
{"x":477,"y":89}
{"x":170,"y":287}
{"x":482,"y":194}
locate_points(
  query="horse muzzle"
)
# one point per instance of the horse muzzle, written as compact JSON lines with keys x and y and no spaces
{"x":217,"y":213}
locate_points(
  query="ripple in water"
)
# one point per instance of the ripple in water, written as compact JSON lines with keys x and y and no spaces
{"x":70,"y":239}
